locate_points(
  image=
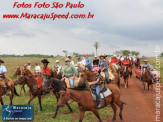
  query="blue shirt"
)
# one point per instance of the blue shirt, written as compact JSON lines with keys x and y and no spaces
{"x":2,"y":69}
{"x":103,"y":64}
{"x":88,"y":60}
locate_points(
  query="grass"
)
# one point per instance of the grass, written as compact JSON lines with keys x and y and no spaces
{"x":49,"y":101}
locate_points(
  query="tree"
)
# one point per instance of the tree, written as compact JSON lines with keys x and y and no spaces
{"x":161,"y":55}
{"x":126,"y":52}
{"x":65,"y":52}
{"x":118,"y":52}
{"x":75,"y":54}
{"x":137,"y":53}
{"x":96,"y":45}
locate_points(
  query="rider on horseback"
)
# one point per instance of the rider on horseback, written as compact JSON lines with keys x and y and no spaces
{"x":126,"y":61}
{"x":69,"y":72}
{"x":147,"y":65}
{"x":97,"y":85}
{"x":88,"y":62}
{"x":2,"y":76}
{"x":46,"y":73}
{"x":115,"y":60}
{"x":103,"y":64}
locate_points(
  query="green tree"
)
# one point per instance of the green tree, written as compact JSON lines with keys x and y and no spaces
{"x":137,"y":53}
{"x":96,"y":45}
{"x":118,"y":52}
{"x":65,"y":52}
{"x":126,"y":52}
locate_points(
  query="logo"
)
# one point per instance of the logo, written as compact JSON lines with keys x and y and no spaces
{"x":17,"y":112}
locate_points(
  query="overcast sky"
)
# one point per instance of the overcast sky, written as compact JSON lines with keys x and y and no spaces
{"x":117,"y":25}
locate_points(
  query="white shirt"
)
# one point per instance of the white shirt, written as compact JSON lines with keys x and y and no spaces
{"x":2,"y":69}
{"x":29,"y":67}
{"x":80,"y":62}
{"x":84,"y":63}
{"x":37,"y":69}
{"x":72,"y":62}
{"x":122,"y":58}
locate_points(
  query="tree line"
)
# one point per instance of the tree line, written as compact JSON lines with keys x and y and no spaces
{"x":26,"y":55}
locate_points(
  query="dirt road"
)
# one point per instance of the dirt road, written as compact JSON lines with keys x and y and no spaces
{"x":140,"y":106}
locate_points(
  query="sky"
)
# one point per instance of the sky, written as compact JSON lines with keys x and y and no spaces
{"x":117,"y":25}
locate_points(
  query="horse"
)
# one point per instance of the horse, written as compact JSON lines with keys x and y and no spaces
{"x":32,"y":84}
{"x":55,"y":86}
{"x":114,"y":68}
{"x":146,"y":77}
{"x":83,"y":97}
{"x":125,"y":74}
{"x":18,"y":72}
{"x":90,"y":77}
{"x":11,"y":88}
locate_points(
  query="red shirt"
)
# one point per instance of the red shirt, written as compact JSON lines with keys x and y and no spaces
{"x":125,"y":62}
{"x":114,"y":60}
{"x":108,"y":62}
{"x":46,"y":70}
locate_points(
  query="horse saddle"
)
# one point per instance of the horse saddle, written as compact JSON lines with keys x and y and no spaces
{"x":105,"y":92}
{"x":101,"y":91}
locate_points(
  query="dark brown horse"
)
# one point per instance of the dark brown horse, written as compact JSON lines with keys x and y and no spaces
{"x":12,"y":89}
{"x":86,"y":103}
{"x":146,"y":77}
{"x":125,"y":74}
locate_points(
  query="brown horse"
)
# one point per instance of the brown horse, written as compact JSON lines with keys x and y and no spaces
{"x":90,"y":77}
{"x":12,"y":89}
{"x":32,"y":84}
{"x":125,"y":74}
{"x":146,"y":77}
{"x":55,"y":86}
{"x":18,"y":72}
{"x":85,"y":97}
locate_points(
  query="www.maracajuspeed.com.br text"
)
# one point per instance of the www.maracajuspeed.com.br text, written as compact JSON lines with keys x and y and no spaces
{"x":45,"y":16}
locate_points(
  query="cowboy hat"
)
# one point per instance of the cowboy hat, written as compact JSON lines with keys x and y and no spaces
{"x":102,"y":55}
{"x":69,"y":56}
{"x":145,"y":60}
{"x":45,"y":61}
{"x":2,"y":61}
{"x":67,"y":60}
{"x":57,"y":61}
{"x":95,"y":56}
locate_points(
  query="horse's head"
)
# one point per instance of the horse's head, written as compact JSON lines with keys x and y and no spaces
{"x":20,"y":80}
{"x":83,"y":76}
{"x":64,"y":97}
{"x":17,"y":72}
{"x":125,"y":68}
{"x":145,"y":70}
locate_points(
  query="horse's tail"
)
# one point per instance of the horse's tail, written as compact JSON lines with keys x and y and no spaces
{"x":15,"y":92}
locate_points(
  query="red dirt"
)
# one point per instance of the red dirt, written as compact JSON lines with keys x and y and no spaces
{"x":140,"y":106}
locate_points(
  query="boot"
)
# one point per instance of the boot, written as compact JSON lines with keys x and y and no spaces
{"x":99,"y":104}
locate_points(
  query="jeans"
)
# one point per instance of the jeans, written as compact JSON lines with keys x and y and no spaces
{"x":107,"y":76}
{"x":3,"y":77}
{"x":98,"y":89}
{"x":153,"y":78}
{"x":118,"y":68}
{"x":89,"y":67}
{"x":71,"y":80}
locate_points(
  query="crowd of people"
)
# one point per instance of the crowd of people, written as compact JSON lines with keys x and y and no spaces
{"x":100,"y":63}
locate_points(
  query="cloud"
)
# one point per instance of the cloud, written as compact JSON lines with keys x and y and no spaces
{"x":117,"y":25}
